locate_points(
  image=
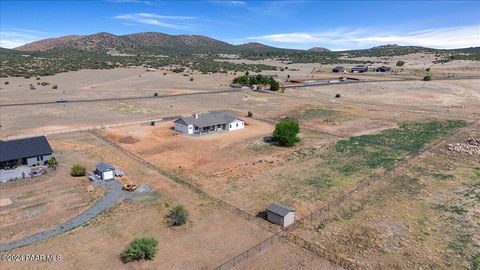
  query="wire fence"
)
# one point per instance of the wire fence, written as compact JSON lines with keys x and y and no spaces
{"x":231,"y":208}
{"x":89,"y":128}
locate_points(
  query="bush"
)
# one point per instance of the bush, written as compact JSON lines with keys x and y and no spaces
{"x":7,"y":82}
{"x":274,"y":85}
{"x":155,"y":95}
{"x":286,"y":132}
{"x":250,"y":114}
{"x":191,"y":79}
{"x":52,"y":162}
{"x":427,"y":78}
{"x":337,"y":95}
{"x":55,"y":87}
{"x":38,"y":78}
{"x":45,"y":83}
{"x":78,"y":170}
{"x":144,"y":248}
{"x":400,"y":63}
{"x":152,"y":123}
{"x":427,"y":69}
{"x":177,"y":216}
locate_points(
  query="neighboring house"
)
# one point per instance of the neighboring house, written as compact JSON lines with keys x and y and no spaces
{"x":337,"y":69}
{"x":383,"y":69}
{"x":105,"y":170}
{"x":34,"y":151}
{"x":208,"y":122}
{"x":359,"y":69}
{"x":280,"y":214}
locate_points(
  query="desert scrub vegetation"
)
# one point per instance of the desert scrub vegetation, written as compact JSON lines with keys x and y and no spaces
{"x":257,"y":79}
{"x":78,"y":170}
{"x":177,"y":216}
{"x":286,"y":133}
{"x":427,"y":78}
{"x":144,"y":248}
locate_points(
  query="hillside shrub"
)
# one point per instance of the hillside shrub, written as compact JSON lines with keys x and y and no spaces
{"x":52,"y":162}
{"x":286,"y":133}
{"x":78,"y":170}
{"x":400,"y":63}
{"x":55,"y":87}
{"x":427,"y":78}
{"x":144,"y":248}
{"x":7,"y":82}
{"x":177,"y":216}
{"x":156,"y":94}
{"x":191,"y":79}
{"x":337,"y":95}
{"x":250,"y":114}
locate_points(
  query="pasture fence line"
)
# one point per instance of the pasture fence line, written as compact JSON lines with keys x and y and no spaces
{"x":89,"y":128}
{"x":231,"y":208}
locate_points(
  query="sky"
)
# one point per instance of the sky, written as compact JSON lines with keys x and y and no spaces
{"x":336,"y":25}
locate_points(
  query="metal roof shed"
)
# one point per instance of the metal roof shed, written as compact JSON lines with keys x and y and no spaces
{"x":280,"y":214}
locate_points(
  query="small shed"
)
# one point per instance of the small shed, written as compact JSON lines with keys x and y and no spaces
{"x":338,"y":69}
{"x":280,"y":214}
{"x":105,"y":171}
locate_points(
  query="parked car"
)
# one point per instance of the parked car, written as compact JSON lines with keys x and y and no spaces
{"x":62,"y":100}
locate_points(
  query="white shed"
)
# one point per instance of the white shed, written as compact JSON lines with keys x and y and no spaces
{"x":105,"y":171}
{"x":280,"y":214}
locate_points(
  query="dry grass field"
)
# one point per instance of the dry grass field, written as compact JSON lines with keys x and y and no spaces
{"x":422,"y":216}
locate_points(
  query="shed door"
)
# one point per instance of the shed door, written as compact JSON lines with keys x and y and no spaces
{"x":108,"y":175}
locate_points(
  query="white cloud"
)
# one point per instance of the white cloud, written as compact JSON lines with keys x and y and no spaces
{"x":445,"y":38}
{"x":17,"y":37}
{"x":173,"y":22}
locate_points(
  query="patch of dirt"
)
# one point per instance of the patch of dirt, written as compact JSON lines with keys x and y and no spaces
{"x":128,"y":140}
{"x":5,"y":202}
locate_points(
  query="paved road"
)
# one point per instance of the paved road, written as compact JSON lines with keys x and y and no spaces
{"x":114,"y":194}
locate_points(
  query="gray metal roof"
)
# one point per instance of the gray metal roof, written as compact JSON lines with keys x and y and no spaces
{"x":208,"y":119}
{"x":24,"y":148}
{"x":279,"y":209}
{"x":102,"y":167}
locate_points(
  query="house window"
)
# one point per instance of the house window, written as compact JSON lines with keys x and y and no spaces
{"x":189,"y":127}
{"x":38,"y":158}
{"x":196,"y":128}
{"x":237,"y":124}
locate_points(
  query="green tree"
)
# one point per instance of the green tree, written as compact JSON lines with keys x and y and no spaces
{"x":427,"y":78}
{"x":144,"y":248}
{"x":78,"y":170}
{"x":177,"y":216}
{"x":286,"y":133}
{"x":400,"y":63}
{"x":274,"y":85}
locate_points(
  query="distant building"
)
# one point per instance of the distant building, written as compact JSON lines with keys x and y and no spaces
{"x":280,"y":214}
{"x":34,"y":151}
{"x":383,"y":69}
{"x":338,"y":69}
{"x":105,"y":170}
{"x":359,"y":69}
{"x":208,"y":122}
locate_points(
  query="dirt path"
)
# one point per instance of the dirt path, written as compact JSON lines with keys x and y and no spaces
{"x":113,"y":195}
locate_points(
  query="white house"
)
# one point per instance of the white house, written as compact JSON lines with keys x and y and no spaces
{"x":280,"y":214}
{"x":208,"y":122}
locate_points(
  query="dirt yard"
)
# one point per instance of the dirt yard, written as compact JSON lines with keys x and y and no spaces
{"x":43,"y":202}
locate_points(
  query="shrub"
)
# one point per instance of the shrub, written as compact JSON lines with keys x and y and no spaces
{"x":78,"y":170}
{"x":191,"y":79}
{"x":55,"y":87}
{"x":427,"y":69}
{"x":38,"y":78}
{"x":155,"y":95}
{"x":164,"y":73}
{"x":274,"y":85}
{"x":152,"y":123}
{"x":52,"y":162}
{"x":250,"y":114}
{"x":177,"y":216}
{"x":337,"y":95}
{"x":45,"y":83}
{"x":144,"y":248}
{"x":400,"y":63}
{"x":7,"y":82}
{"x":286,"y":132}
{"x":427,"y":78}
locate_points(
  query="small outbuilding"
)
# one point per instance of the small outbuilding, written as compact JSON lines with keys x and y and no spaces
{"x":280,"y":214}
{"x":359,"y":69}
{"x":105,"y":170}
{"x":383,"y":69}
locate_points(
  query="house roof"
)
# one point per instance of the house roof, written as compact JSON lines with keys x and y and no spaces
{"x":24,"y":148}
{"x":103,"y":167}
{"x":208,"y":119}
{"x":279,"y":209}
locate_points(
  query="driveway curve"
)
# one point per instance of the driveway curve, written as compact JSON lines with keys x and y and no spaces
{"x":113,"y":194}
